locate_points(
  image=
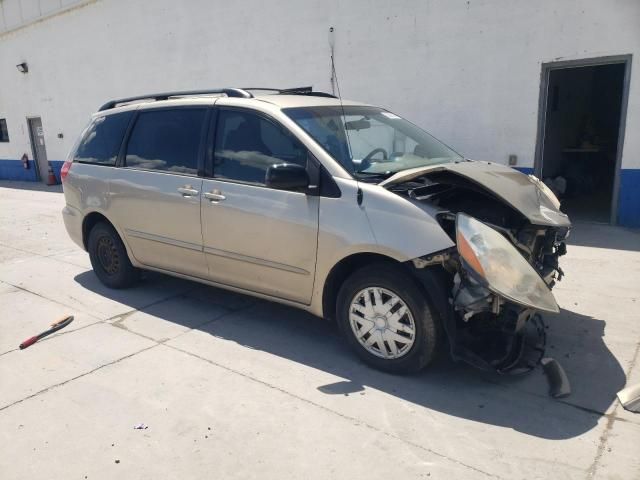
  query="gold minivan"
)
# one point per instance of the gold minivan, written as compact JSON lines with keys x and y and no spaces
{"x":339,"y":208}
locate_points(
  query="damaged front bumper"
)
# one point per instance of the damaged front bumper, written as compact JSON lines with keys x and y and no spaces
{"x":491,"y":311}
{"x":492,"y":333}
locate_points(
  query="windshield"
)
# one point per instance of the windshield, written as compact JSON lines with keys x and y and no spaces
{"x":370,"y":141}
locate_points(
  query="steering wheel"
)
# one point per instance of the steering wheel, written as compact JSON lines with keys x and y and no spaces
{"x":367,"y":159}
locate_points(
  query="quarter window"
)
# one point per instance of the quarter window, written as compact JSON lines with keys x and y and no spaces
{"x":166,"y":140}
{"x":4,"y":133}
{"x":247,"y":144}
{"x":101,"y":142}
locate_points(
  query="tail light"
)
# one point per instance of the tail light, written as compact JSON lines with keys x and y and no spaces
{"x":66,"y":166}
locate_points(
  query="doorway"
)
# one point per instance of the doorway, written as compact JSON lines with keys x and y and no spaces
{"x":36,"y":135}
{"x":583,"y":108}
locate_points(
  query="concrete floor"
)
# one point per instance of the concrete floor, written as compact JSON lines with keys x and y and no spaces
{"x":231,"y":387}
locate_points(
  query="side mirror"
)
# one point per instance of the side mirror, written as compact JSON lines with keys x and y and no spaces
{"x":287,"y":176}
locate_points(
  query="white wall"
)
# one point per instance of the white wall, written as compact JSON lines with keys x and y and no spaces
{"x":467,"y":71}
{"x":17,"y":13}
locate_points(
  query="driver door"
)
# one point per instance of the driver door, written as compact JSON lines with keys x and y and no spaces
{"x":255,"y":237}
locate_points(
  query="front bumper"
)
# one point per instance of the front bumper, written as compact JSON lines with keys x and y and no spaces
{"x":486,"y":327}
{"x":508,"y":340}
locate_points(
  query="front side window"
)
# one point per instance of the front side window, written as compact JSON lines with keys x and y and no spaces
{"x":166,"y":140}
{"x":247,"y":144}
{"x":370,"y":141}
{"x":101,"y":142}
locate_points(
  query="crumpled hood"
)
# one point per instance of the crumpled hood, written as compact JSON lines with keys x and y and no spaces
{"x":513,"y":187}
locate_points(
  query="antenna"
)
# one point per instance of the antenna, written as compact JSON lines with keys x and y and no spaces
{"x":335,"y":85}
{"x":344,"y":117}
{"x":332,"y":46}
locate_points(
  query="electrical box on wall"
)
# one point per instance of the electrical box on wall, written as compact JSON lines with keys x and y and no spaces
{"x":513,"y":159}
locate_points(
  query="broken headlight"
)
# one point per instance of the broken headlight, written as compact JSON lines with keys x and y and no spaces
{"x":497,"y":262}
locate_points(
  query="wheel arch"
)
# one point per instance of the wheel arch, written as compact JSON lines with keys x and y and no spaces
{"x":433,"y":281}
{"x":341,"y":271}
{"x":91,"y":219}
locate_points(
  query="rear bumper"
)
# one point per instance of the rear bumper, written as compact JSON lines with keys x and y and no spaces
{"x":73,"y":223}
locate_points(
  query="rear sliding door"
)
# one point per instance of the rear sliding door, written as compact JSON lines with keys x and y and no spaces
{"x":156,"y":194}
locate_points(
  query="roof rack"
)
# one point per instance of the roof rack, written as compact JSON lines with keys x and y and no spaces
{"x":229,"y":92}
{"x":293,"y":91}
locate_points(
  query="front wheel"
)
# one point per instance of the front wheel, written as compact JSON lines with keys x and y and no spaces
{"x":387,"y":320}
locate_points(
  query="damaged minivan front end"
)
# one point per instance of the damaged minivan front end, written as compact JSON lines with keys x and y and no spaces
{"x":509,"y":234}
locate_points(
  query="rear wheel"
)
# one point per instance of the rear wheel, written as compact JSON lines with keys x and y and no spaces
{"x":387,"y":320}
{"x":109,"y":257}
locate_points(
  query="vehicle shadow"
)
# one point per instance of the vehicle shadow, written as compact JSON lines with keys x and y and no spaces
{"x":519,"y":403}
{"x":605,"y":236}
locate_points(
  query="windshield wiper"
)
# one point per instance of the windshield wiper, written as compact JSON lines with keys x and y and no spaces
{"x":372,"y":175}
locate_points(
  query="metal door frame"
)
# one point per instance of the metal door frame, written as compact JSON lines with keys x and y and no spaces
{"x":33,"y":146}
{"x":547,"y":68}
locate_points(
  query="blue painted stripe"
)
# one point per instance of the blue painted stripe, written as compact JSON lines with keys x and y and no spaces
{"x":629,"y":198}
{"x":14,"y":170}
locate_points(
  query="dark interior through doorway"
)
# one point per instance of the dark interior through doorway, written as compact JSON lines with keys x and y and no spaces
{"x":582,"y":123}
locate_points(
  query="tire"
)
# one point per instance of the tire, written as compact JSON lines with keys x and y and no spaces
{"x":109,"y":257}
{"x":415,"y":350}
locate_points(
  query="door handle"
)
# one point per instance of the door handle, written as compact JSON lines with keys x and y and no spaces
{"x":215,"y":196}
{"x":188,"y":191}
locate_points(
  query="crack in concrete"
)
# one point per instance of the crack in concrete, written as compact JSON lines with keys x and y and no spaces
{"x":98,"y":319}
{"x":357,"y":421}
{"x":563,"y":402}
{"x":611,"y":417}
{"x":591,"y":472}
{"x":58,"y":334}
{"x":52,"y":387}
{"x":354,"y":420}
{"x":119,"y":324}
{"x":120,"y":317}
{"x":634,"y":361}
{"x":50,"y":255}
{"x":597,"y":412}
{"x":604,"y":438}
{"x":24,"y":289}
{"x":266,"y":384}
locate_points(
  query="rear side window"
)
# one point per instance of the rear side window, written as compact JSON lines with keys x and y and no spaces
{"x":101,"y":143}
{"x":247,"y":144}
{"x":166,"y":140}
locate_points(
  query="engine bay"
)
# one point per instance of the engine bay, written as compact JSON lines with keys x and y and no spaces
{"x":484,"y":328}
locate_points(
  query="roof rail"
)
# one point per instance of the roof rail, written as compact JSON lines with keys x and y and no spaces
{"x":293,"y":91}
{"x":230,"y":92}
